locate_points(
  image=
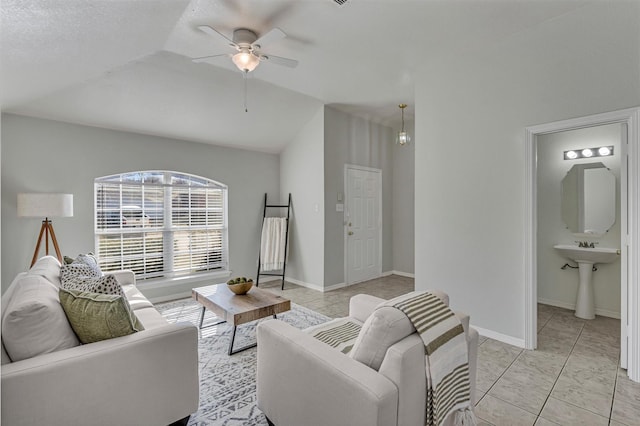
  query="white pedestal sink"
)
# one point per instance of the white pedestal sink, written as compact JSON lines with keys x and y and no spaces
{"x":586,"y":258}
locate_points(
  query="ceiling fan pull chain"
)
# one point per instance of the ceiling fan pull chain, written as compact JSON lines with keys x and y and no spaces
{"x":244,"y":76}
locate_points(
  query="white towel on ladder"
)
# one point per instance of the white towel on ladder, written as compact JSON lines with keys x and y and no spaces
{"x":272,"y":245}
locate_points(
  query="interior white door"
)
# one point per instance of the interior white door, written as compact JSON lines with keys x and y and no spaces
{"x":363,"y":224}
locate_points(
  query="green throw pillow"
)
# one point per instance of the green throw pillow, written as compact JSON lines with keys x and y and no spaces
{"x":96,"y":317}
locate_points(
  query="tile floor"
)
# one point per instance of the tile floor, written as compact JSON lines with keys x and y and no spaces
{"x":572,"y":378}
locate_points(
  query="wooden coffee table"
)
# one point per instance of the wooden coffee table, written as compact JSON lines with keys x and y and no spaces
{"x":238,"y":309}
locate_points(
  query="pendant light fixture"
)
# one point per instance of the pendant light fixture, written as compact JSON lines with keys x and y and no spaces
{"x":402,"y":138}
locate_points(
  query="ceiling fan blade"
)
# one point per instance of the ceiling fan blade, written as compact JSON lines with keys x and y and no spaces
{"x":215,"y":33}
{"x":282,"y":12}
{"x":291,"y":63}
{"x":206,"y":58}
{"x":274,"y":34}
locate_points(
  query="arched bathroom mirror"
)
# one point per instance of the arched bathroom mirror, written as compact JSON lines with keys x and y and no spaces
{"x":589,"y":199}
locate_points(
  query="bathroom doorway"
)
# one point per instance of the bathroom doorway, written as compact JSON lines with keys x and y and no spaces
{"x":578,"y":202}
{"x":540,"y":141}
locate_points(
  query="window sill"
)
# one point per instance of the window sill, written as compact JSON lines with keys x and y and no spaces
{"x":156,"y":283}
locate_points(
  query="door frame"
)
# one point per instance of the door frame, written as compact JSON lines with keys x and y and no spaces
{"x":348,"y":167}
{"x":629,"y":229}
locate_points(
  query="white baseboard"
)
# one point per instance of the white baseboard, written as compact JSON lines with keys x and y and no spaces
{"x":266,"y":279}
{"x":271,"y":278}
{"x":572,"y":307}
{"x":500,"y":337}
{"x":403,"y":274}
{"x":184,"y":294}
{"x":384,"y":274}
{"x":304,"y":284}
{"x":336,"y":286}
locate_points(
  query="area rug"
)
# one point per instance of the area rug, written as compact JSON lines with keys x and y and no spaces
{"x":228,"y":383}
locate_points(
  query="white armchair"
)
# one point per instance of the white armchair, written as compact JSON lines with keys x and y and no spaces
{"x":301,"y":380}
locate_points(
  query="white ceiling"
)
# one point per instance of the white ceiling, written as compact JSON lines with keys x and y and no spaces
{"x":125,"y":64}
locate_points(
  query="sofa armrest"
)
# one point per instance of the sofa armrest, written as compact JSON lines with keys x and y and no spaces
{"x":302,"y":381}
{"x":145,"y":378}
{"x":472,"y":342}
{"x":124,"y":277}
{"x":464,"y":319}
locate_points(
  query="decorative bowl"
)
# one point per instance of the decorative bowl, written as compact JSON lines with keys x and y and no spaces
{"x":240,"y":288}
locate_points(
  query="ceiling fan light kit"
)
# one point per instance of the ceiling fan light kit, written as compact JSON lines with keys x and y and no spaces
{"x":248,"y":46}
{"x":245,"y":61}
{"x":248,"y":55}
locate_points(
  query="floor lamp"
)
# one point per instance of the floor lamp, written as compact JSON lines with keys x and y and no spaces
{"x":45,"y":205}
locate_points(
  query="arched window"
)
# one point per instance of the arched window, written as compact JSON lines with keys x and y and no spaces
{"x":161,"y":224}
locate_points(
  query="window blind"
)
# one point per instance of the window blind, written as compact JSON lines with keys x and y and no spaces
{"x":160,"y":223}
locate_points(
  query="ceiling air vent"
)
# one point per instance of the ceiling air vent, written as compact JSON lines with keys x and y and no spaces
{"x":340,"y":2}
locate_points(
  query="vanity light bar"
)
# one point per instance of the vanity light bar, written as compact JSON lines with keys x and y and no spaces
{"x":601,"y":151}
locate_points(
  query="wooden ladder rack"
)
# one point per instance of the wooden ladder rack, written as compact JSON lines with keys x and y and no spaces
{"x":286,"y":241}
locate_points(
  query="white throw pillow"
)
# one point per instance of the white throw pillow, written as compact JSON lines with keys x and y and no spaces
{"x":34,"y":322}
{"x":78,"y":276}
{"x":48,"y":267}
{"x":384,"y":327}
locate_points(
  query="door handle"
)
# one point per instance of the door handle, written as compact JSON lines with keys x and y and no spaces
{"x":350,"y":232}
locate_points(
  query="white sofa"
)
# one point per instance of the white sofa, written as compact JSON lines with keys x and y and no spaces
{"x":146,"y":378}
{"x":303,"y":381}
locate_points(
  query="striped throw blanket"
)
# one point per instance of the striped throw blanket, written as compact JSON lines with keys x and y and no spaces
{"x":340,"y":333}
{"x":447,"y":364}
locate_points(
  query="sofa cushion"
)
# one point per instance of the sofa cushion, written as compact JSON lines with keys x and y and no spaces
{"x":34,"y":323}
{"x":48,"y":267}
{"x":8,"y":294}
{"x":74,"y":270}
{"x":384,"y":327}
{"x":150,"y":318}
{"x":91,"y":261}
{"x":95,"y":317}
{"x":79,"y":276}
{"x":5,"y":356}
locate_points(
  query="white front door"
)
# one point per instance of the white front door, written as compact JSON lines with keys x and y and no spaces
{"x":363,"y":224}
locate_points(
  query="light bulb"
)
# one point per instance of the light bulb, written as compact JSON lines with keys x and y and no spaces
{"x":245,"y":61}
{"x":604,"y":151}
{"x":572,"y":155}
{"x":587,"y":153}
{"x":403,"y":138}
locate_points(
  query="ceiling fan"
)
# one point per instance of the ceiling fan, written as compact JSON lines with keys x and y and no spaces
{"x":248,"y":46}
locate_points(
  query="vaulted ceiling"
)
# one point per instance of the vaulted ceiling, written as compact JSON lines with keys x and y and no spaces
{"x":126,"y":64}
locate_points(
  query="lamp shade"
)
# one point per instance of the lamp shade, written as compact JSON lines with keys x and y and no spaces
{"x":45,"y":205}
{"x":245,"y":61}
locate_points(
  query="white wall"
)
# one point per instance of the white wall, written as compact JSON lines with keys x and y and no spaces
{"x":404,"y":204}
{"x":471,"y":112}
{"x":48,"y":156}
{"x":556,"y":286}
{"x":349,"y":139}
{"x":302,"y":175}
